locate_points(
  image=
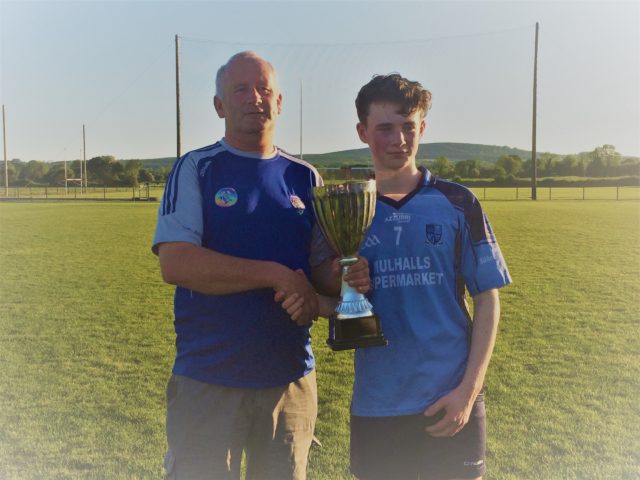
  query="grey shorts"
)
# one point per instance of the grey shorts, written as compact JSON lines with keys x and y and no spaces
{"x":209,"y":426}
{"x":398,"y":448}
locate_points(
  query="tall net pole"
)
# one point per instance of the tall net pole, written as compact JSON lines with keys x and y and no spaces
{"x":534,"y":160}
{"x":178,"y":128}
{"x":6,"y":165}
{"x":301,"y":157}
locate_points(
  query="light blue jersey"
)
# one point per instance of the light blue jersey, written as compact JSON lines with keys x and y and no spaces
{"x":423,"y":251}
{"x":245,"y":206}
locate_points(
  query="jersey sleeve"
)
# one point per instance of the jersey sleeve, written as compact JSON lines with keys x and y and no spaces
{"x":320,"y":249}
{"x":483,"y":266}
{"x":180,"y":212}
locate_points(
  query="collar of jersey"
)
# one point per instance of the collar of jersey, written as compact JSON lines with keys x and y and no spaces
{"x":426,"y":180}
{"x":242,"y":153}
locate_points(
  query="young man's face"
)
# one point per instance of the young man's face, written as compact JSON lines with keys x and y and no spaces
{"x":393,"y":138}
{"x":250,"y":101}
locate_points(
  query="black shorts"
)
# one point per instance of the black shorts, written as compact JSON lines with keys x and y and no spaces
{"x":398,"y":448}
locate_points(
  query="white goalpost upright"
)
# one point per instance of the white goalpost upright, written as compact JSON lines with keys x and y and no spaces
{"x":67,"y":179}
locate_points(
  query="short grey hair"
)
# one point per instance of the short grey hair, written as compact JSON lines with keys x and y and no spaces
{"x":246,"y":54}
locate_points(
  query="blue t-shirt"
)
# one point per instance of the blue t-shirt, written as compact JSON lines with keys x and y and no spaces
{"x":422,"y":252}
{"x":246,"y":206}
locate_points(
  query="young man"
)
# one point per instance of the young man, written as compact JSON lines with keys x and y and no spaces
{"x":418,"y":408}
{"x":235,"y":229}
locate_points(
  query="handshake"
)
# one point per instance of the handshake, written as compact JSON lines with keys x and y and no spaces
{"x":304,"y":305}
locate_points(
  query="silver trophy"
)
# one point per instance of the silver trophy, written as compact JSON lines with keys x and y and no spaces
{"x":344,"y":213}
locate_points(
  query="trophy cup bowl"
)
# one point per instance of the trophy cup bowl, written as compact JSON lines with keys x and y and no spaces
{"x":344,"y":213}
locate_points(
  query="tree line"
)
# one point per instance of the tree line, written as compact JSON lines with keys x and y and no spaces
{"x":603,"y":161}
{"x":106,"y":170}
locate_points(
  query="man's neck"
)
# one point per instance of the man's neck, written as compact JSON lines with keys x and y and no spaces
{"x":258,"y":144}
{"x":396,"y":184}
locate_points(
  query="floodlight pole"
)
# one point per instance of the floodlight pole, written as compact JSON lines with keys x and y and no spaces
{"x":534,"y":160}
{"x":6,"y":165}
{"x":178,"y":126}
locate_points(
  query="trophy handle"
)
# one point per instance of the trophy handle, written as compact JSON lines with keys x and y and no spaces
{"x":353,"y":304}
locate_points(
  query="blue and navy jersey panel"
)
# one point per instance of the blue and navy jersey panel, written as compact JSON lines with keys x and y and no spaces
{"x":423,"y":251}
{"x":250,"y":207}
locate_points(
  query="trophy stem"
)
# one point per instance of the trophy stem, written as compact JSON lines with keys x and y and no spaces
{"x":353,"y":304}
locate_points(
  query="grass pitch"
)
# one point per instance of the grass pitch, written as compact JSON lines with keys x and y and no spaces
{"x":86,"y":345}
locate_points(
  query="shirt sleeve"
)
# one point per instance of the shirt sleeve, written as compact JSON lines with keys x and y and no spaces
{"x":320,"y":249}
{"x":483,"y":266}
{"x":180,"y":212}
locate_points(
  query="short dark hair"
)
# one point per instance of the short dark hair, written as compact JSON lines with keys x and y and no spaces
{"x":393,"y":88}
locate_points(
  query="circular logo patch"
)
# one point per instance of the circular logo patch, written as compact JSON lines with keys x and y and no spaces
{"x":226,"y":197}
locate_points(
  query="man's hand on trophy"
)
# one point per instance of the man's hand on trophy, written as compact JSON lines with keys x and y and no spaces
{"x":357,"y":274}
{"x":298,"y":298}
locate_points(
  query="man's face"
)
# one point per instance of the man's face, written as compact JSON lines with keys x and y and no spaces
{"x":393,"y":138}
{"x":251,"y":100}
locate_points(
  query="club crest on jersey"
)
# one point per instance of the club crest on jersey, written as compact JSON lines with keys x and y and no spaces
{"x":297,"y":204}
{"x":434,"y":234}
{"x":226,"y":197}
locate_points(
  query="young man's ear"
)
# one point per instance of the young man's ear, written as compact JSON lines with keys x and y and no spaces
{"x":361,"y":128}
{"x":423,"y":127}
{"x":217,"y":104}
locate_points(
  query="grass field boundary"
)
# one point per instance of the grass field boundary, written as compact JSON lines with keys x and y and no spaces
{"x":154,"y":193}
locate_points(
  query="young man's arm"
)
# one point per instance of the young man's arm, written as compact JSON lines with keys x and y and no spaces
{"x":459,"y":402}
{"x":212,"y":273}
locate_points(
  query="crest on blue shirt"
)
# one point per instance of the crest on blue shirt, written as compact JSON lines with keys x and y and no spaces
{"x":434,"y":234}
{"x":226,"y":197}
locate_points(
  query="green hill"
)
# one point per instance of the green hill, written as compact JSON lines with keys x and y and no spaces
{"x":427,"y":151}
{"x":360,"y":156}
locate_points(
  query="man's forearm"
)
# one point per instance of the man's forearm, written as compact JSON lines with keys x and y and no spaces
{"x":212,"y":273}
{"x":485,"y":327}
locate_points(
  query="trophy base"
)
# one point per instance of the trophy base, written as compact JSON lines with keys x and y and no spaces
{"x":350,"y":333}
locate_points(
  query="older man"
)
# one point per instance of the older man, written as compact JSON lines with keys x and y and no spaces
{"x":235,"y":226}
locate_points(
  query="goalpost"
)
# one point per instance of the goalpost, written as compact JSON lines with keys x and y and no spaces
{"x":67,"y":179}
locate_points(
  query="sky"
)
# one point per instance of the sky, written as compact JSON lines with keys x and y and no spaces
{"x":111,"y":67}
